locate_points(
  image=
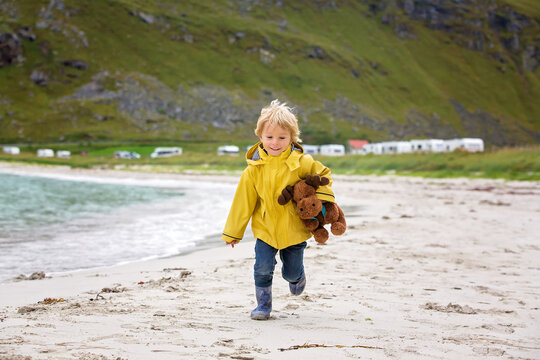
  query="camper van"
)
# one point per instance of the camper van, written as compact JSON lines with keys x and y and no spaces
{"x":228,"y":150}
{"x":396,"y":147}
{"x":452,"y":144}
{"x":428,"y":145}
{"x":375,"y":148}
{"x":45,"y":153}
{"x":465,"y":144}
{"x":124,"y":154}
{"x":310,"y":149}
{"x":12,"y":150}
{"x":63,"y":154}
{"x":473,"y":144}
{"x":332,"y":150}
{"x":166,"y":152}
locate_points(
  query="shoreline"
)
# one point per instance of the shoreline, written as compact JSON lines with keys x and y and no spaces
{"x":428,"y":269}
{"x":89,"y":280}
{"x":118,"y":178}
{"x":210,"y":242}
{"x":107,"y":175}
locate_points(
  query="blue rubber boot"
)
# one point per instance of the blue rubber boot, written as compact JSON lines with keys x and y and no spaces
{"x":264,"y":301}
{"x":298,"y":288}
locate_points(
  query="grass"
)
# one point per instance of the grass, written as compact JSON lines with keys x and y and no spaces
{"x":507,"y":163}
{"x":529,"y":7}
{"x":394,"y":76}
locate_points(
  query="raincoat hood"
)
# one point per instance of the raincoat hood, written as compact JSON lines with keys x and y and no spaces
{"x":256,"y":155}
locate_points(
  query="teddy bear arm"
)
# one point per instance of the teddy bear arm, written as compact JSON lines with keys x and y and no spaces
{"x":339,"y":227}
{"x":332,"y":213}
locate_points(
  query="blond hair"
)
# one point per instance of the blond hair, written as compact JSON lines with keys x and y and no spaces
{"x":279,"y":114}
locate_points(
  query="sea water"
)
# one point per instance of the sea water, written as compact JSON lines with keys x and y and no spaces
{"x":57,"y":225}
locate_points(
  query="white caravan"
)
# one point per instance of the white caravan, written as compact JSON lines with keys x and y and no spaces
{"x":166,"y":152}
{"x":375,"y":148}
{"x":310,"y":149}
{"x":12,"y":150}
{"x":63,"y":154}
{"x":332,"y":150}
{"x":228,"y":150}
{"x":396,"y":147}
{"x":45,"y":153}
{"x":466,"y":144}
{"x":428,"y":145}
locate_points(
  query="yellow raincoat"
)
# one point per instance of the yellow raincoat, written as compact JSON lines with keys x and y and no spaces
{"x":256,"y":197}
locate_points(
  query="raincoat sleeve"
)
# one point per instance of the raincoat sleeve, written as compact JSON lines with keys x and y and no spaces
{"x":323,"y":193}
{"x":244,"y":202}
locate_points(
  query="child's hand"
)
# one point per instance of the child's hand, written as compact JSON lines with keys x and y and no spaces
{"x":234,"y":242}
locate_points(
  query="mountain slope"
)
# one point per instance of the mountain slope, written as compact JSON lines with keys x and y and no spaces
{"x":143,"y":70}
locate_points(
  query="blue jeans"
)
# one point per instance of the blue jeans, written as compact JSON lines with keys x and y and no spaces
{"x":292,"y":258}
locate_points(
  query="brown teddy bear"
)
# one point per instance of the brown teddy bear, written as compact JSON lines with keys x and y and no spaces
{"x":312,"y":211}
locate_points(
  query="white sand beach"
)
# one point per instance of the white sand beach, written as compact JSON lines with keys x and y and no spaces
{"x":428,"y":269}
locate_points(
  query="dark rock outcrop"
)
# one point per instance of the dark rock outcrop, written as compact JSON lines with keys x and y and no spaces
{"x":475,"y":25}
{"x":147,"y":18}
{"x":39,"y":78}
{"x":316,"y":52}
{"x":416,"y":124}
{"x":530,"y":58}
{"x":77,"y":64}
{"x":10,"y":49}
{"x":26,"y":33}
{"x":153,"y":106}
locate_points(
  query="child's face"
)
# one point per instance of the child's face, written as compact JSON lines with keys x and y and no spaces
{"x":275,"y":139}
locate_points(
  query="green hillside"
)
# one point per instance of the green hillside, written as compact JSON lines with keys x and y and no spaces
{"x":201,"y":70}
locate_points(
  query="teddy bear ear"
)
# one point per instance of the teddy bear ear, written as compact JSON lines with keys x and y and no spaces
{"x":325,"y":181}
{"x":286,"y":195}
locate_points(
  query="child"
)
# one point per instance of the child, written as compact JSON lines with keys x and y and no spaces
{"x":273,"y":163}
